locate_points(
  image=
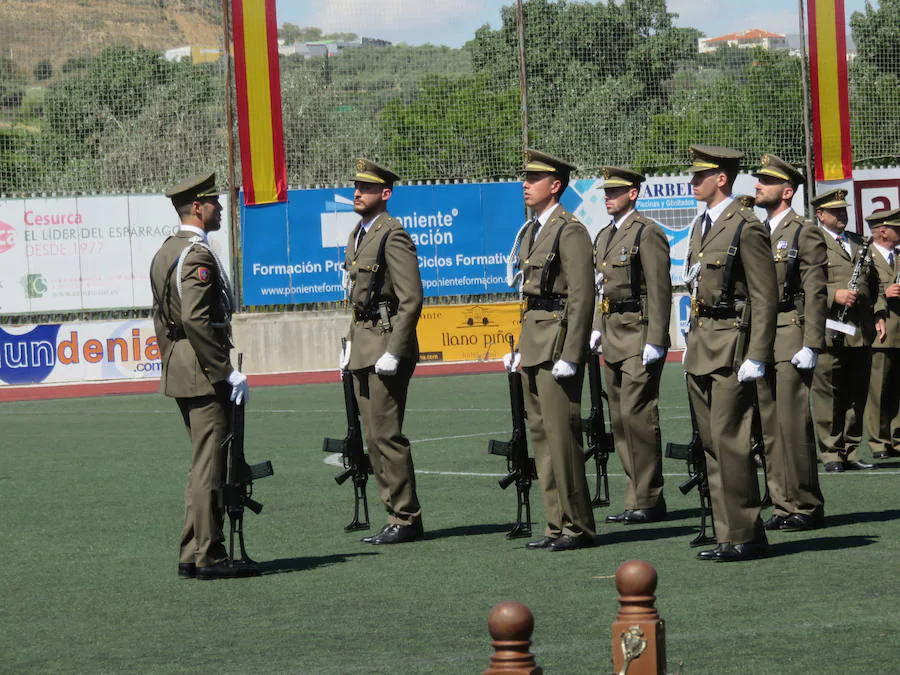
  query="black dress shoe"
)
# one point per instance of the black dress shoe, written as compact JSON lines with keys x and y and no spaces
{"x":752,"y":550}
{"x":569,"y":543}
{"x":543,"y":542}
{"x":187,"y":570}
{"x":711,"y":553}
{"x":776,"y":522}
{"x":834,"y":467}
{"x":399,"y":534}
{"x":857,"y":466}
{"x":654,"y":514}
{"x":618,"y":517}
{"x":228,"y":570}
{"x":369,"y":537}
{"x":798,"y":522}
{"x":885,"y":454}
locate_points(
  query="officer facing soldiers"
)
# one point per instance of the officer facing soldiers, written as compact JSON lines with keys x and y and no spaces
{"x":841,"y":376}
{"x":799,"y":252}
{"x":558,"y":291}
{"x":381,"y":348}
{"x":634,"y":291}
{"x":192,"y":307}
{"x":883,"y":406}
{"x":732,"y":333}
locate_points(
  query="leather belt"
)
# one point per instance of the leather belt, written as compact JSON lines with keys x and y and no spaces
{"x":787,"y":306}
{"x":620,"y":306}
{"x":712,"y":312}
{"x":550,"y":304}
{"x":366,"y":315}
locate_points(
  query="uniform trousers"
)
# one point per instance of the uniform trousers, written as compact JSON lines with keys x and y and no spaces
{"x":883,"y":407}
{"x":206,"y":421}
{"x":633,"y":391}
{"x":723,"y":408}
{"x":382,"y":405}
{"x":839,"y":388}
{"x":553,"y":408}
{"x":791,"y":460}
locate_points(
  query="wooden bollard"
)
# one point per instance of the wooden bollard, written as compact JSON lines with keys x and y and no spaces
{"x":638,"y":634}
{"x":511,"y":625}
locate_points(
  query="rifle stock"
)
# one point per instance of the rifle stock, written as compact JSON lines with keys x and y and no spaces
{"x":598,"y":441}
{"x":353,"y":455}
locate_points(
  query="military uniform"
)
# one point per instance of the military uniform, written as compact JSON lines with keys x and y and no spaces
{"x":386,"y":297}
{"x":635,"y":291}
{"x":191,"y":315}
{"x":799,"y":252}
{"x":840,"y":380}
{"x":724,"y":332}
{"x":883,"y":406}
{"x":558,"y":291}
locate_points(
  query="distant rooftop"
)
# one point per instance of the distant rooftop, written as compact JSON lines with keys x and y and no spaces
{"x":752,"y":34}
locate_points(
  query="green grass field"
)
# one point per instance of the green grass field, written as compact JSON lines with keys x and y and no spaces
{"x":91,"y":503}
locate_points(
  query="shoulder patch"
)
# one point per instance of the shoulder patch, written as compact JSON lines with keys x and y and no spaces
{"x":203,"y":273}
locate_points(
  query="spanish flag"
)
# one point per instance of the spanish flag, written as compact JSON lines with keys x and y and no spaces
{"x":830,"y":100}
{"x":258,"y":84}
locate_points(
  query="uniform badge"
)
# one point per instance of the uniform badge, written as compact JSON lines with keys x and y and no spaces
{"x":623,"y":255}
{"x":203,"y":273}
{"x":782,"y":244}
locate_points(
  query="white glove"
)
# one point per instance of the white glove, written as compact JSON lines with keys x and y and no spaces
{"x":563,"y":369}
{"x":387,"y":364}
{"x":651,"y":353}
{"x":684,"y":355}
{"x":805,"y":359}
{"x":594,"y":342}
{"x":750,"y":370}
{"x":344,"y":359}
{"x":240,"y":390}
{"x":511,"y":361}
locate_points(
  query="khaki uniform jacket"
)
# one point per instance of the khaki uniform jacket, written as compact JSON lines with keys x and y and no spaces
{"x":401,"y":289}
{"x":572,"y":278}
{"x":838,"y":272}
{"x":712,"y":343}
{"x":794,"y":331}
{"x":192,"y":364}
{"x":887,"y":308}
{"x":624,"y":334}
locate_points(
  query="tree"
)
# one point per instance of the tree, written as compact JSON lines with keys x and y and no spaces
{"x":43,"y":71}
{"x":12,"y":83}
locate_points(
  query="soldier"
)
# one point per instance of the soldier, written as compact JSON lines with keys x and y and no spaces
{"x":883,"y":407}
{"x":799,"y":252}
{"x":192,"y":306}
{"x":558,"y":290}
{"x":381,"y":348}
{"x":842,"y":372}
{"x":635,"y":289}
{"x":731,"y":338}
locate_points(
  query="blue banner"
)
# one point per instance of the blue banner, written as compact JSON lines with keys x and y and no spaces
{"x":293,"y":252}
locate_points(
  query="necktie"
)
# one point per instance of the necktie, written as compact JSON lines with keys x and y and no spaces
{"x":535,"y":226}
{"x":707,"y":223}
{"x":360,"y":237}
{"x":842,"y":240}
{"x":890,"y":259}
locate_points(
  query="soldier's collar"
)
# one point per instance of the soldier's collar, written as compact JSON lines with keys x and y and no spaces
{"x":544,"y":218}
{"x":199,"y":231}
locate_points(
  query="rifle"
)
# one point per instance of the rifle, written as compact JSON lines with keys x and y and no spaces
{"x":353,"y":455}
{"x":696,"y":465}
{"x":598,"y":442}
{"x":520,"y":466}
{"x":236,"y":493}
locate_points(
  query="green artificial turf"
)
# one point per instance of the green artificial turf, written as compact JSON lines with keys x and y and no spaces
{"x":91,"y":504}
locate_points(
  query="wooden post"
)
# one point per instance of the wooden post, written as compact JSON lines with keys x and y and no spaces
{"x":638,"y":634}
{"x":511,"y":625}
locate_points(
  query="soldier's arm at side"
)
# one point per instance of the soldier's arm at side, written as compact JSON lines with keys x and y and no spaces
{"x":759,"y":269}
{"x":813,"y":263}
{"x":577,"y":261}
{"x":654,"y":254}
{"x":197,"y":297}
{"x":400,"y":254}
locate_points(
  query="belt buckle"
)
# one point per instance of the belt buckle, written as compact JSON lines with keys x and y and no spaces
{"x":604,"y":306}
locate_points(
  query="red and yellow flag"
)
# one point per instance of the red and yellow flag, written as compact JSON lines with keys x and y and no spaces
{"x":830,"y":99}
{"x":258,"y":84}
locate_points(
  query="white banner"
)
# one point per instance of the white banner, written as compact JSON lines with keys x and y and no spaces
{"x":80,"y":253}
{"x":78,"y":352}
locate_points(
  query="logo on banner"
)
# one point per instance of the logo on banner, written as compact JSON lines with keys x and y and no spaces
{"x":29,"y":357}
{"x":337,"y":222}
{"x":35,"y":285}
{"x":7,"y":237}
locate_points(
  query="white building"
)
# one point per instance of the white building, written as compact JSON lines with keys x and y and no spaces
{"x":755,"y":37}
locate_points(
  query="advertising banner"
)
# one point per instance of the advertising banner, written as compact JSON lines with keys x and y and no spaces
{"x":82,"y":253}
{"x":78,"y":352}
{"x":467,"y":332}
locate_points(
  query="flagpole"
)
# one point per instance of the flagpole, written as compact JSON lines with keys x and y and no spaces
{"x":233,"y":188}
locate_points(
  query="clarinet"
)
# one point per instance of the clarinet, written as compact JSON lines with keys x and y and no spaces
{"x":862,"y":262}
